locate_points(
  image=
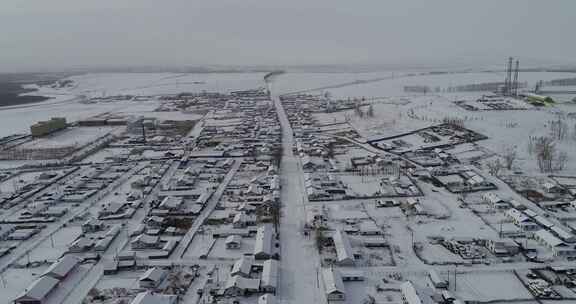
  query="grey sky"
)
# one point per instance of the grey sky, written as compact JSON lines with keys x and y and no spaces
{"x":67,"y":33}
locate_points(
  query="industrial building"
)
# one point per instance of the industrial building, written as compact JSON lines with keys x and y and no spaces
{"x":43,"y":128}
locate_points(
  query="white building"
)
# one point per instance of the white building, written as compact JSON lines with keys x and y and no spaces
{"x":263,"y":245}
{"x":344,"y":254}
{"x":333,"y":285}
{"x":269,"y":280}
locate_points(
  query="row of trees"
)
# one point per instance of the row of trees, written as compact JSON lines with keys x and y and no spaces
{"x":548,"y":157}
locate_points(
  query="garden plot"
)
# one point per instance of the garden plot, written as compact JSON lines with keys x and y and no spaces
{"x":489,"y":286}
{"x":438,"y":254}
{"x":357,"y":292}
{"x":219,"y":250}
{"x":461,"y":223}
{"x":55,"y":246}
{"x":379,"y":186}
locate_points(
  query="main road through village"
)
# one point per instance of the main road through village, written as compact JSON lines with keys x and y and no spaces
{"x":300,"y":278}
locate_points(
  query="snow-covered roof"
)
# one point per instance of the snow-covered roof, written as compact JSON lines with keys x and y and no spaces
{"x":343,"y":247}
{"x":147,"y":239}
{"x":62,"y":267}
{"x":492,"y":197}
{"x":564,"y":234}
{"x":542,"y":221}
{"x":270,"y":273}
{"x":517,"y":215}
{"x":243,"y":283}
{"x":233,"y":239}
{"x":148,"y":297}
{"x":267,"y":299}
{"x":243,"y":266}
{"x":333,"y":281}
{"x":548,"y":238}
{"x":409,"y":293}
{"x":39,"y":289}
{"x":263,"y":243}
{"x":154,"y":274}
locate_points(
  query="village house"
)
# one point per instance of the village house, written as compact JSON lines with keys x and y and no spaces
{"x":152,"y":277}
{"x":93,"y":225}
{"x":243,"y":267}
{"x":411,"y":296}
{"x":145,"y":241}
{"x":38,"y":291}
{"x":495,"y":201}
{"x":344,"y":253}
{"x":263,"y":247}
{"x":506,"y":247}
{"x":269,"y":280}
{"x":333,"y":284}
{"x":556,"y":245}
{"x":241,"y":286}
{"x":61,"y":268}
{"x":233,"y":242}
{"x":521,"y":220}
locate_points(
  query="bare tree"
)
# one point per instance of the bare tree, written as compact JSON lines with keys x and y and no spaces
{"x":560,"y":161}
{"x":494,"y":167}
{"x":558,"y":128}
{"x":358,"y":110}
{"x":510,"y":156}
{"x":545,"y":150}
{"x":370,"y":111}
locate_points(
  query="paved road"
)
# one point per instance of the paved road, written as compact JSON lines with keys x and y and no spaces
{"x":299,"y":263}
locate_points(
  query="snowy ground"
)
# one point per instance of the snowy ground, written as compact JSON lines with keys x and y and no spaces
{"x":395,"y":111}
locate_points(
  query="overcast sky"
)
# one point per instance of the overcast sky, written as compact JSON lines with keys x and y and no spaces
{"x":59,"y":34}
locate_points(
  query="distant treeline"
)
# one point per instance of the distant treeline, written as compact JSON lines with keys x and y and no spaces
{"x":480,"y":87}
{"x":562,"y":82}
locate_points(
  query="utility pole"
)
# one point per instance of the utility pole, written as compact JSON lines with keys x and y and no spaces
{"x":509,"y":77}
{"x":455,"y":274}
